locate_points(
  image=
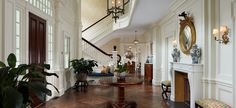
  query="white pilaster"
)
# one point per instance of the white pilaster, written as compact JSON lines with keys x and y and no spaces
{"x":234,"y":53}
{"x":114,"y":59}
{"x":79,"y":23}
{"x":1,"y":34}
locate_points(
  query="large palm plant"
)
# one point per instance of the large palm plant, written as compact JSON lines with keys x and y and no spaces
{"x":16,"y":82}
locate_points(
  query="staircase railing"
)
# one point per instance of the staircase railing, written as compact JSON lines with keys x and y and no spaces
{"x":92,"y":51}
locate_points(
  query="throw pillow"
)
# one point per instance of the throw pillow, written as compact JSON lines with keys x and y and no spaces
{"x":105,"y":69}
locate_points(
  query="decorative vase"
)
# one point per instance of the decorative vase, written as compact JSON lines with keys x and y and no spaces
{"x":175,"y":55}
{"x":195,"y":54}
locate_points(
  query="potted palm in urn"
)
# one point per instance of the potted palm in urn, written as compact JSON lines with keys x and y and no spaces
{"x":82,"y":68}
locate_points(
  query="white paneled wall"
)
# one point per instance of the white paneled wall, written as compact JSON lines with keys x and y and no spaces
{"x":218,"y":59}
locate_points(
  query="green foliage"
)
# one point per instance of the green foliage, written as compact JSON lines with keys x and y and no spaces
{"x":83,"y":66}
{"x":14,"y":90}
{"x":121,"y":68}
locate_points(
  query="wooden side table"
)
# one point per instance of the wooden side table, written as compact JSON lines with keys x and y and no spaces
{"x":148,"y":72}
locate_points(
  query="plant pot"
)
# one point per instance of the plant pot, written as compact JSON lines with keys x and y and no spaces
{"x":81,"y":76}
{"x":116,"y":74}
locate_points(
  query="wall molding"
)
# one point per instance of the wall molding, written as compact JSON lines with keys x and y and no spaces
{"x":217,"y":82}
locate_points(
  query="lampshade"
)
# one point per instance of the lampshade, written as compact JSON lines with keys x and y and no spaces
{"x":136,"y":41}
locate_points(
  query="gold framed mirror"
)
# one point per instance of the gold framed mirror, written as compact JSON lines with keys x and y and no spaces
{"x":187,"y":34}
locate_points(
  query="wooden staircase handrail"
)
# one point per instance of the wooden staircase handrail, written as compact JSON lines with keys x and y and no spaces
{"x":95,"y":23}
{"x":96,"y":47}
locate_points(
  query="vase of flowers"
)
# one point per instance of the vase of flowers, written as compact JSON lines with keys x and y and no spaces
{"x":121,"y":71}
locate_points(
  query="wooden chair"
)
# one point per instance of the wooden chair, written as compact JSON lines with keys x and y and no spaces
{"x":165,"y":86}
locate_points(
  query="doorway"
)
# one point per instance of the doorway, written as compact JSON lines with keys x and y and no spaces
{"x":37,"y":39}
{"x":37,"y":45}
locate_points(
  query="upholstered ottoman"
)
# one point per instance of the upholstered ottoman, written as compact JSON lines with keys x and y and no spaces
{"x":165,"y":86}
{"x":210,"y":103}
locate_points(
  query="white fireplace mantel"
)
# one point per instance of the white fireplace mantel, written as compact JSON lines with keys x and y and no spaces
{"x":194,"y":72}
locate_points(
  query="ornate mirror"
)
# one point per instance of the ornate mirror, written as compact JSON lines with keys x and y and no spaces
{"x":187,"y":34}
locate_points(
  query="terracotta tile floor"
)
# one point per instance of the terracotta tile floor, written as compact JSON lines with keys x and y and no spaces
{"x":146,"y":96}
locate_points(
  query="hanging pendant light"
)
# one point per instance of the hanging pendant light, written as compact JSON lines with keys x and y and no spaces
{"x":129,"y":54}
{"x":116,"y":8}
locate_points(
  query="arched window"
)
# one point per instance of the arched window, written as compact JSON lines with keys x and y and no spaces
{"x":43,"y":5}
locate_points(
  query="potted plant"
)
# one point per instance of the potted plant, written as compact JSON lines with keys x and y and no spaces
{"x":121,"y":70}
{"x":82,"y":67}
{"x":16,"y":83}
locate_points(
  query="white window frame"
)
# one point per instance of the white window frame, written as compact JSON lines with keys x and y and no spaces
{"x":18,"y":21}
{"x":43,"y":5}
{"x":67,"y":50}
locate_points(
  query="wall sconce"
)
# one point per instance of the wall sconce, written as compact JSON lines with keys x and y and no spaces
{"x":174,"y":43}
{"x":221,"y":36}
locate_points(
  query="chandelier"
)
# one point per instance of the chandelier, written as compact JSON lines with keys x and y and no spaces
{"x":116,"y":8}
{"x":129,"y":54}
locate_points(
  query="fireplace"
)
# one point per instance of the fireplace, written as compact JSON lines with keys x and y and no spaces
{"x":182,"y":90}
{"x":186,"y":83}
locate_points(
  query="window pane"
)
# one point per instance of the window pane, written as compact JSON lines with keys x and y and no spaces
{"x":66,"y":60}
{"x":51,"y":46}
{"x":18,"y":16}
{"x":37,"y":3}
{"x":49,"y":55}
{"x":17,"y":29}
{"x":17,"y":42}
{"x":66,"y":52}
{"x":34,"y":2}
{"x":18,"y":54}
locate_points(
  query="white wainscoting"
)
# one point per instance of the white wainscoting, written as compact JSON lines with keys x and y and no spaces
{"x":223,"y":90}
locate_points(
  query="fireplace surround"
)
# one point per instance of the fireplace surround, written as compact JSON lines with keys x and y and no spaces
{"x":179,"y":73}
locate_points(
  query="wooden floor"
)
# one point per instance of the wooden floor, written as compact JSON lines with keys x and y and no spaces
{"x":146,"y":96}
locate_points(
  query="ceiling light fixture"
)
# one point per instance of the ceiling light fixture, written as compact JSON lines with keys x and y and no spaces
{"x":116,"y":8}
{"x":135,"y":40}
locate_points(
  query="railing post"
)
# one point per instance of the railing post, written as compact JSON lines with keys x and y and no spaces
{"x":114,"y":57}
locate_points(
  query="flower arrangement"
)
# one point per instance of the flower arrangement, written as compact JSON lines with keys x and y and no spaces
{"x":121,"y":68}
